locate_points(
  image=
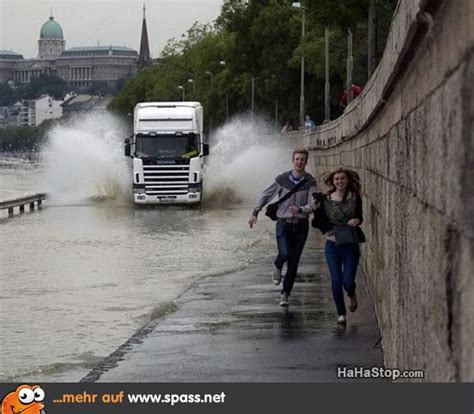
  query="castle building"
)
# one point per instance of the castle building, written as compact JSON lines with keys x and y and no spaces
{"x":80,"y":67}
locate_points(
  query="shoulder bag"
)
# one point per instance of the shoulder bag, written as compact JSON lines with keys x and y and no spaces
{"x":348,"y":235}
{"x":271,"y":210}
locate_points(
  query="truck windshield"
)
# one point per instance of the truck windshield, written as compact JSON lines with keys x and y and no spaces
{"x":165,"y":147}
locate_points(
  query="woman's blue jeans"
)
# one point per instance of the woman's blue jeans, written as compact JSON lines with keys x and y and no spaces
{"x":291,"y":238}
{"x":342,"y":261}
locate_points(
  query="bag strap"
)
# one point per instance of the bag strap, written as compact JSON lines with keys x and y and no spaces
{"x":291,"y":192}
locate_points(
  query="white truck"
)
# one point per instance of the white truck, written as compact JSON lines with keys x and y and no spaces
{"x":167,"y":148}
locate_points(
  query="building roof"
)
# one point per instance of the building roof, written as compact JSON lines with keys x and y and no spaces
{"x":100,"y":51}
{"x":51,"y":30}
{"x":10,"y":54}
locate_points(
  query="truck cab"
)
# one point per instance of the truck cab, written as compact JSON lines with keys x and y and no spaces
{"x":167,"y":150}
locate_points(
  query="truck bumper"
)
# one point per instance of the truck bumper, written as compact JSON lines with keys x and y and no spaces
{"x":190,"y":198}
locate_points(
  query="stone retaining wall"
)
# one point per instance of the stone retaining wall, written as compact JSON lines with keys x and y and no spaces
{"x":410,"y":136}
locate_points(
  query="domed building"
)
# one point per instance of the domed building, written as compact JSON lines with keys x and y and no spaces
{"x":51,"y":42}
{"x":80,"y":67}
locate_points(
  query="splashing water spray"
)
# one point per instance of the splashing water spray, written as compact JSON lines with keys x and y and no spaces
{"x":245,"y":157}
{"x":84,"y":160}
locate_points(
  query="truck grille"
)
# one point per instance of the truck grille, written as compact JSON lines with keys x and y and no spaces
{"x":166,"y":180}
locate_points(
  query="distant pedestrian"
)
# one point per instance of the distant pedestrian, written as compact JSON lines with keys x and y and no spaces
{"x":308,"y":123}
{"x":292,"y":219}
{"x":288,"y":127}
{"x":356,"y":91}
{"x":339,"y":215}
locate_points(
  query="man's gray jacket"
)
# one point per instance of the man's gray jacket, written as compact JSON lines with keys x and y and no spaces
{"x":283,"y":185}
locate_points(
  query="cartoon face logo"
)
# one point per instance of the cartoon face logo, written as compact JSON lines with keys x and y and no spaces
{"x":25,"y":399}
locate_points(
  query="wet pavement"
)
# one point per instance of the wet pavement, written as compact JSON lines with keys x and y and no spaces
{"x":230,"y":328}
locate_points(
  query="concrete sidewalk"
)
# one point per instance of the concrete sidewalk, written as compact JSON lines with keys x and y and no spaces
{"x":230,"y":328}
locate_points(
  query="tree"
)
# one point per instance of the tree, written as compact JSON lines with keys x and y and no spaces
{"x":7,"y":95}
{"x":261,"y":40}
{"x":43,"y":85}
{"x":25,"y":139}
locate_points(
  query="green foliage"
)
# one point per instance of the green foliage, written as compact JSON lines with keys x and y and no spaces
{"x":25,"y":139}
{"x":261,"y":40}
{"x":42,"y":85}
{"x":341,"y":14}
{"x":7,"y":95}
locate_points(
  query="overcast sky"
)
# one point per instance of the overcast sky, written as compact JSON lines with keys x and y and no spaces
{"x":85,"y":22}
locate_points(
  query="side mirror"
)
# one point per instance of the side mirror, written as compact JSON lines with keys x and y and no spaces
{"x":127,"y":147}
{"x":205,"y":149}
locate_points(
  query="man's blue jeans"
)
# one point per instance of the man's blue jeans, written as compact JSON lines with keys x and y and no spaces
{"x":342,"y":261}
{"x":291,"y":238}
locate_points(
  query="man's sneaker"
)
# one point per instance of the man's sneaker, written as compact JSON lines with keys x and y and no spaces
{"x":276,"y":277}
{"x":284,"y":299}
{"x":341,"y":320}
{"x":353,"y":303}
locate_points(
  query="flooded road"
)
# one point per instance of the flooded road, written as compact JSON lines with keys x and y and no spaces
{"x":79,"y":277}
{"x":77,"y":281}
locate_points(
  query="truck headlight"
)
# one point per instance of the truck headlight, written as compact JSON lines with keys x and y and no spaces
{"x":195,"y":188}
{"x":138,"y":188}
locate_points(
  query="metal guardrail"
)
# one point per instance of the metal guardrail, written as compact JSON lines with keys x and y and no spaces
{"x":21,"y":202}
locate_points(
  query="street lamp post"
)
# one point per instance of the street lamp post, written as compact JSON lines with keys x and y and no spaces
{"x":327,"y":107}
{"x":226,"y":106}
{"x":252,"y":100}
{"x":372,"y":47}
{"x":184,"y":91}
{"x":209,"y":73}
{"x":297,"y":4}
{"x":350,"y":66}
{"x":276,"y":113}
{"x":222,"y":63}
{"x":191,"y":80}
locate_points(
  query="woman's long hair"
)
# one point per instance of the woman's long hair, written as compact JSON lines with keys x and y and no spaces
{"x":353,"y":181}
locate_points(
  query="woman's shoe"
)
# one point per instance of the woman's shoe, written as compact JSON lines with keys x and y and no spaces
{"x":353,"y":303}
{"x":341,"y":320}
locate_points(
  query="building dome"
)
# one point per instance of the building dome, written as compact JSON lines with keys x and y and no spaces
{"x":51,"y":30}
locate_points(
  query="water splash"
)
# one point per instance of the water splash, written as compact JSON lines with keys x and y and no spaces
{"x":245,"y":156}
{"x":84,"y":160}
